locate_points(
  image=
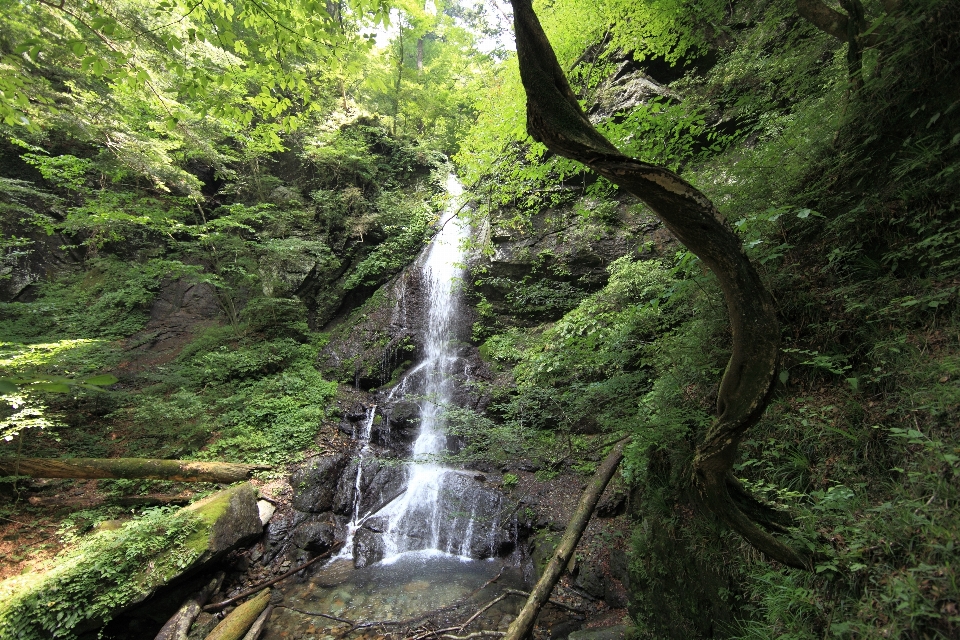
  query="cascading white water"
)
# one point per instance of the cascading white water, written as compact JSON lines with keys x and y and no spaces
{"x":417,"y":509}
{"x":356,"y":519}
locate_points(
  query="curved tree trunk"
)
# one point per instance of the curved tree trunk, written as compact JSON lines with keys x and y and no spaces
{"x":555,"y":118}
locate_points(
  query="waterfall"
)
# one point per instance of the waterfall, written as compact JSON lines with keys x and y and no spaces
{"x":415,"y":518}
{"x":427,"y":507}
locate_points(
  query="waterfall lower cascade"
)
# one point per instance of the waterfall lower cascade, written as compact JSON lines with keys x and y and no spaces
{"x":442,"y":510}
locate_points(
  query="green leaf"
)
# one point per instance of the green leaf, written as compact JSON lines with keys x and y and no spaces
{"x":6,"y":386}
{"x":784,"y":376}
{"x":79,"y":48}
{"x":51,"y":387}
{"x":105,"y":379}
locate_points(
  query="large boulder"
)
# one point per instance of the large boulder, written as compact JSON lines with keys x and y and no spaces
{"x":315,"y":535}
{"x":388,"y":483}
{"x":315,"y":484}
{"x":113,"y":570}
{"x":379,"y":483}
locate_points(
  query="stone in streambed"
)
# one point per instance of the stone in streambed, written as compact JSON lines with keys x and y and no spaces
{"x":619,"y":632}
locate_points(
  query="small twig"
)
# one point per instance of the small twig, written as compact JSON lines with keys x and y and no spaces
{"x":319,"y":615}
{"x":432,"y":632}
{"x":476,"y":634}
{"x":492,"y":580}
{"x":502,"y":596}
{"x":263,"y":585}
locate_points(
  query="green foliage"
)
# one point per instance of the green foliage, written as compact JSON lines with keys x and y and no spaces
{"x":405,"y":221}
{"x":104,"y":571}
{"x":275,"y":419}
{"x":110,"y":299}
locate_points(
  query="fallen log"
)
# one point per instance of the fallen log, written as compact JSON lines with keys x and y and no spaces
{"x":129,"y":469}
{"x":89,"y":502}
{"x":258,"y":626}
{"x":178,"y":626}
{"x":521,"y":627}
{"x":236,"y":624}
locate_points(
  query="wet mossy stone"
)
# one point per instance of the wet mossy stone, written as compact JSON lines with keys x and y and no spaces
{"x":109,"y":572}
{"x":544,"y":543}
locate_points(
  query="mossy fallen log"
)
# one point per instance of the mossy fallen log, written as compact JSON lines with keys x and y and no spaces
{"x":111,"y":571}
{"x":128,"y":469}
{"x":235,"y":625}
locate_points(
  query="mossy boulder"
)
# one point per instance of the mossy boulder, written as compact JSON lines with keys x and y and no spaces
{"x":113,"y":570}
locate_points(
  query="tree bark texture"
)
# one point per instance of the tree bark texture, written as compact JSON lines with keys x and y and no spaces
{"x":238,"y":621}
{"x":555,"y":118}
{"x":128,"y":468}
{"x":521,"y":627}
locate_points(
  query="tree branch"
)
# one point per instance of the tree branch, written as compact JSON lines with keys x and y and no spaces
{"x":824,"y":18}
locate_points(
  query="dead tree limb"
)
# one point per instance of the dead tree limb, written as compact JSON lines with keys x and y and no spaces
{"x":263,"y":585}
{"x":236,"y":624}
{"x":178,"y":626}
{"x":521,"y":627}
{"x":324,"y":615}
{"x":129,"y":469}
{"x":258,"y":626}
{"x":86,"y":502}
{"x":555,"y":118}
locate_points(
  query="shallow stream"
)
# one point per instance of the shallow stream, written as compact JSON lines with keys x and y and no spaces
{"x":417,"y":590}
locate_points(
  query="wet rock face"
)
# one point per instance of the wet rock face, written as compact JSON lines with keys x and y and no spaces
{"x":376,"y":342}
{"x":537,"y":273}
{"x":624,"y":90}
{"x":399,"y":427}
{"x":380,"y":482}
{"x":316,"y":536}
{"x":315,"y":484}
{"x":386,"y":485}
{"x":368,"y":548}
